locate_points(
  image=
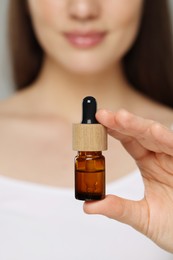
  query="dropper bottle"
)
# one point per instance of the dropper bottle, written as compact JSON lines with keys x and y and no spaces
{"x":89,"y":139}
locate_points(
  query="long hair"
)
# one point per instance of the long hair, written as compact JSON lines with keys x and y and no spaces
{"x":26,"y":53}
{"x":147,"y":65}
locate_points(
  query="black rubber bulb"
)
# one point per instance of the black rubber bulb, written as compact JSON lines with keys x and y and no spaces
{"x":89,"y":110}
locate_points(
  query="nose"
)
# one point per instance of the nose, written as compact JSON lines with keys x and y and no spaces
{"x":84,"y":9}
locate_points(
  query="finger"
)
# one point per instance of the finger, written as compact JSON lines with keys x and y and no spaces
{"x":133,"y":213}
{"x":124,"y":122}
{"x":132,"y":146}
{"x":109,"y":119}
{"x":148,"y":134}
{"x":151,"y":135}
{"x":135,"y":149}
{"x":163,"y":137}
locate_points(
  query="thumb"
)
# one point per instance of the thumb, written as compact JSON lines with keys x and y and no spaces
{"x":133,"y":213}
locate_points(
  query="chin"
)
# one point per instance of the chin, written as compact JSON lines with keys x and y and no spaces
{"x":86,"y":67}
{"x":82,"y":70}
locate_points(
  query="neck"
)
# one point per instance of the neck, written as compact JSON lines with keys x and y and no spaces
{"x":61,"y":92}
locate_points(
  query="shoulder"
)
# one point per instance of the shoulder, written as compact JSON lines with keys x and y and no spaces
{"x":13,"y":113}
{"x":16,"y":106}
{"x":13,"y":104}
{"x":150,"y":109}
{"x":8,"y":110}
{"x":161,"y":113}
{"x":19,"y":115}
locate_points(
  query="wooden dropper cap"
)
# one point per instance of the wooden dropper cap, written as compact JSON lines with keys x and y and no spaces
{"x":89,"y":135}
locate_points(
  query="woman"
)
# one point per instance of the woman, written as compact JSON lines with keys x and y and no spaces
{"x":63,"y":51}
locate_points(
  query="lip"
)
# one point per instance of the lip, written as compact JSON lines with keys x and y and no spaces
{"x":85,"y":40}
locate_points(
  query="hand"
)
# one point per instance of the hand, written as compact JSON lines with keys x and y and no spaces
{"x":151,"y":145}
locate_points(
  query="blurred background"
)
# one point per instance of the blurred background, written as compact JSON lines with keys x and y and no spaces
{"x":6,"y":83}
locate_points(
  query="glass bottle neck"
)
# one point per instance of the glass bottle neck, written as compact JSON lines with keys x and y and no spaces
{"x":90,"y":154}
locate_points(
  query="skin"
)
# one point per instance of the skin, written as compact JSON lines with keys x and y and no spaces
{"x":33,"y":121}
{"x":150,"y":144}
{"x":52,"y":18}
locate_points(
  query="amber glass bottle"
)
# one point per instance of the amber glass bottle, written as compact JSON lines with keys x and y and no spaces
{"x":89,"y":176}
{"x":89,"y":139}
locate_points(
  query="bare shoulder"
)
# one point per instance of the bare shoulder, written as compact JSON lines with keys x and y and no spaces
{"x":14,"y":116}
{"x":9,"y":112}
{"x":161,"y":113}
{"x":153,"y":110}
{"x":8,"y":109}
{"x":14,"y":104}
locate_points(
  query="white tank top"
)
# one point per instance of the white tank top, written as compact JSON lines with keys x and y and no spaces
{"x":39,"y":222}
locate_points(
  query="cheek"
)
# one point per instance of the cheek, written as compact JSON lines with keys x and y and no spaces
{"x":126,"y":16}
{"x":45,"y":13}
{"x":124,"y":11}
{"x":45,"y":16}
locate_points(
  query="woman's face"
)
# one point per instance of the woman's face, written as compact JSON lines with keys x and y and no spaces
{"x":86,"y":36}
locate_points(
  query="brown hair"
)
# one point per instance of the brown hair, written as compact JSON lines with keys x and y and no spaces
{"x":147,"y":65}
{"x":26,"y":53}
